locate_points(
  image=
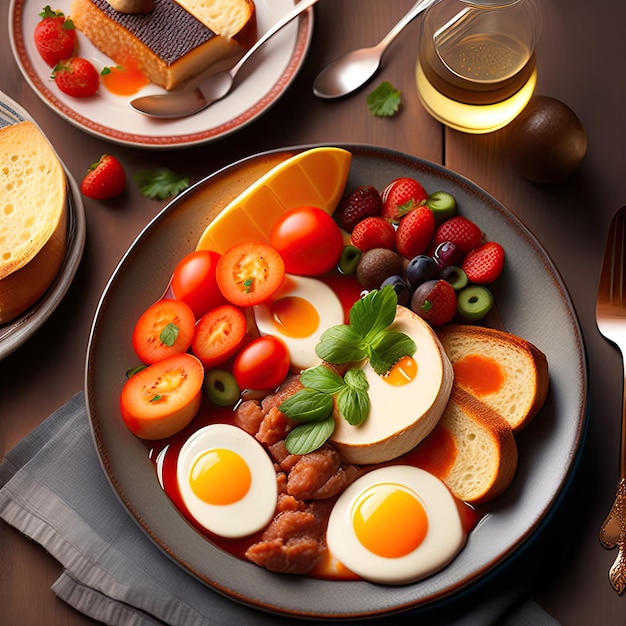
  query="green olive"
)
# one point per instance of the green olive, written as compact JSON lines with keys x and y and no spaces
{"x":442,"y":204}
{"x":474,"y":302}
{"x":349,"y":259}
{"x":220,"y":387}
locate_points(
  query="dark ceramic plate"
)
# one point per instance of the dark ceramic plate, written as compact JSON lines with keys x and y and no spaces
{"x":547,"y":448}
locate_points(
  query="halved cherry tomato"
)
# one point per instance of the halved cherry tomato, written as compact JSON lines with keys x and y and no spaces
{"x":309,"y":241}
{"x":165,"y":328}
{"x":195,"y":284}
{"x":219,"y":333}
{"x":261,"y":364}
{"x":160,"y":400}
{"x":249,"y":273}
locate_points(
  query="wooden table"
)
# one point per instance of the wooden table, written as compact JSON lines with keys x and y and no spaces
{"x":579,"y":48}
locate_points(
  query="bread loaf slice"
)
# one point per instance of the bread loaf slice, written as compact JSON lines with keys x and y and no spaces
{"x":485,"y":456}
{"x":504,"y":371}
{"x":33,"y":217}
{"x":170,"y":44}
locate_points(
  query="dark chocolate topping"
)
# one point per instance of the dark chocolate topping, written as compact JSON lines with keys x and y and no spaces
{"x":168,"y":30}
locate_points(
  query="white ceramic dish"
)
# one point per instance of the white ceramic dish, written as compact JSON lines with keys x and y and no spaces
{"x":548,"y":447}
{"x":15,"y":333}
{"x":110,"y":117}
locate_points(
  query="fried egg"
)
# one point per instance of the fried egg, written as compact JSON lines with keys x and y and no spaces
{"x":227,"y":481}
{"x":395,"y":525}
{"x":301,"y":310}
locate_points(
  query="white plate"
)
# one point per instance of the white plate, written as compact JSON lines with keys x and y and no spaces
{"x":15,"y":333}
{"x":108,"y":116}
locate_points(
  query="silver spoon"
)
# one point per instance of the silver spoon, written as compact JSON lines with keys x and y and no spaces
{"x":353,"y":70}
{"x":213,"y":88}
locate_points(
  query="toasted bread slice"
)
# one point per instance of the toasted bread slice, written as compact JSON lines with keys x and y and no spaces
{"x":485,"y":457}
{"x":33,"y":217}
{"x":504,"y":371}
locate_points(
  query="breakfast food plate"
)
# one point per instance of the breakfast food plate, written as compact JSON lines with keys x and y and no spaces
{"x":548,"y":448}
{"x":110,"y":117}
{"x":14,"y":333}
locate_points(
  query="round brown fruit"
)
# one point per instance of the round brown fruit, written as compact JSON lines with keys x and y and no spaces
{"x":546,"y":141}
{"x":376,"y":265}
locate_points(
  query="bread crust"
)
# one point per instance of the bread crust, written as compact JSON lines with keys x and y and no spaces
{"x":486,"y":451}
{"x":525,"y":367}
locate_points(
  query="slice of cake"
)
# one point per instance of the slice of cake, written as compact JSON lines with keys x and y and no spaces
{"x":170,"y":45}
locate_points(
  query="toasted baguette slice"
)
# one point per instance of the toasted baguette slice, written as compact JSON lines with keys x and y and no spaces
{"x":504,"y":371}
{"x":33,"y":217}
{"x":486,"y":452}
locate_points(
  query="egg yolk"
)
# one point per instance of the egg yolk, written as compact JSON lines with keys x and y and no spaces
{"x":220,"y":476}
{"x":389,"y":520}
{"x":295,"y":316}
{"x":125,"y":79}
{"x":480,"y":374}
{"x":402,"y":372}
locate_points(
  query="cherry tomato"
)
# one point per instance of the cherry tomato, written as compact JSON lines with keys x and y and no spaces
{"x":165,"y":328}
{"x":219,"y":333}
{"x":160,"y":400}
{"x":195,"y":284}
{"x":309,"y":241}
{"x":249,"y":273}
{"x":261,"y":364}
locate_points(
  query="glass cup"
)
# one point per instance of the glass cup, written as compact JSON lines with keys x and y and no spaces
{"x":476,"y":63}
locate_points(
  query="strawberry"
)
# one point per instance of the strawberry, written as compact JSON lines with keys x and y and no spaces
{"x":461,"y":231}
{"x":435,"y":302}
{"x":55,"y":36}
{"x":484,"y":263}
{"x":362,"y":202}
{"x":105,"y":179}
{"x":374,"y":232}
{"x":400,"y":196}
{"x":415,"y":232}
{"x":76,"y":77}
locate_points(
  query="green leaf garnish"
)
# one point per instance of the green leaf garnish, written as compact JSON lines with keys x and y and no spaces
{"x":321,"y":378}
{"x":134,"y":370}
{"x":341,"y":344}
{"x":306,"y":438}
{"x":161,"y":183}
{"x":353,"y":401}
{"x":384,"y":101}
{"x":169,"y":334}
{"x":308,"y":405}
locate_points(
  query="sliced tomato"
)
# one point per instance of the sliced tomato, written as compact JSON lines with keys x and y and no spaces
{"x":164,"y":329}
{"x":309,"y":241}
{"x":249,"y":273}
{"x":160,"y":400}
{"x":195,"y":284}
{"x":219,"y":333}
{"x":261,"y":364}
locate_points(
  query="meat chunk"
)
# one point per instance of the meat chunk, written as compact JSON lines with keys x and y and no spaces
{"x":312,"y":471}
{"x":249,"y":416}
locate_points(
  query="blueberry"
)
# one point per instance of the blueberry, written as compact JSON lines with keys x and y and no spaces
{"x":448,"y":253}
{"x":400,"y":287}
{"x":420,"y":269}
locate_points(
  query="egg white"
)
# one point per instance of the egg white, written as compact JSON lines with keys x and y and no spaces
{"x":325,"y":302}
{"x":254,"y":510}
{"x":443,"y":541}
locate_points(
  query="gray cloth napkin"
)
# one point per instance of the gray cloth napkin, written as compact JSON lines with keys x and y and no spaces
{"x":53,"y":489}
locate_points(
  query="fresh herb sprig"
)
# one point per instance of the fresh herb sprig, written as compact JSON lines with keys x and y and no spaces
{"x":366,"y":336}
{"x":384,"y":101}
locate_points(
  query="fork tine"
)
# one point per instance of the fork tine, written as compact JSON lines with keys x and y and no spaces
{"x":613,"y":273}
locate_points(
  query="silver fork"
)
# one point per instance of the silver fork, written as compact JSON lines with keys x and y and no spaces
{"x":611,"y":321}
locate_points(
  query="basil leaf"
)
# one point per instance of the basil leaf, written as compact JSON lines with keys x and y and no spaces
{"x":307,"y":405}
{"x":356,"y":378}
{"x":306,"y":438}
{"x":374,"y":312}
{"x":340,"y":344}
{"x":169,"y":334}
{"x":353,"y":404}
{"x":387,"y":348}
{"x":323,"y":379}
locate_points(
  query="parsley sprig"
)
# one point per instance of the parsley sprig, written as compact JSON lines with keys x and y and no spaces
{"x":384,"y":101}
{"x":367,"y":336}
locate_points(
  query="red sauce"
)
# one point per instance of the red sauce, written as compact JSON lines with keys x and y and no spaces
{"x":480,"y":374}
